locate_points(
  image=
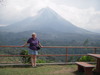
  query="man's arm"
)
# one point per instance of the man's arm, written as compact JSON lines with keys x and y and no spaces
{"x":25,"y":44}
{"x":40,"y":45}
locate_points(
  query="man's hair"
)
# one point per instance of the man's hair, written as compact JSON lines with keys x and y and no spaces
{"x":34,"y":33}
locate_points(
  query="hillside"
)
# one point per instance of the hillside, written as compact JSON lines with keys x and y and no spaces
{"x":47,"y":20}
{"x":52,"y":30}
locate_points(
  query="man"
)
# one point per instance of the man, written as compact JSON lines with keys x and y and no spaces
{"x":33,"y":50}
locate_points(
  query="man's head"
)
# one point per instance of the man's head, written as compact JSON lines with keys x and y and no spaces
{"x":34,"y":35}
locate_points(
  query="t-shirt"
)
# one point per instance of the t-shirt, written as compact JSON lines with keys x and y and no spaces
{"x":33,"y":43}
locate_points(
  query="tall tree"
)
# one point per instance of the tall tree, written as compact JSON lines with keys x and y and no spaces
{"x":86,"y":42}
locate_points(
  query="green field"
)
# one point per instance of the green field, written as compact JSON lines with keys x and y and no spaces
{"x":41,"y":70}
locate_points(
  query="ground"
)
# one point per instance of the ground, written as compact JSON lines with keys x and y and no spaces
{"x":41,"y":70}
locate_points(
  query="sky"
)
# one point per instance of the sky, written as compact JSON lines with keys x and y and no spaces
{"x":82,"y":13}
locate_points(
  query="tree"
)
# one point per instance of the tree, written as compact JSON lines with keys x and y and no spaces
{"x":86,"y":42}
{"x":25,"y":59}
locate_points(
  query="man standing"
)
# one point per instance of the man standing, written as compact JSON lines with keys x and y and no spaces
{"x":33,"y":47}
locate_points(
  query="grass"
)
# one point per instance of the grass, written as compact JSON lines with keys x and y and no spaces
{"x":41,"y":70}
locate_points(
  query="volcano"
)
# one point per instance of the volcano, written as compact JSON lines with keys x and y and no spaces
{"x":47,"y":20}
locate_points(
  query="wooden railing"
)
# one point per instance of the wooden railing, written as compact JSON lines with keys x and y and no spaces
{"x":65,"y":47}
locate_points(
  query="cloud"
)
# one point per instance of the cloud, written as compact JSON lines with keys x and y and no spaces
{"x":80,"y":17}
{"x":84,"y":13}
{"x":15,"y":10}
{"x":88,"y":18}
{"x":83,"y":4}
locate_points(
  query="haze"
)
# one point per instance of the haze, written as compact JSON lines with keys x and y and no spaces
{"x":82,"y":13}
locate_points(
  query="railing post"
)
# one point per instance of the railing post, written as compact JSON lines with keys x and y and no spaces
{"x":66,"y":55}
{"x":95,"y":50}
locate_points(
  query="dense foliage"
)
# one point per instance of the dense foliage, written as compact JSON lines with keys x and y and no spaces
{"x":63,"y":39}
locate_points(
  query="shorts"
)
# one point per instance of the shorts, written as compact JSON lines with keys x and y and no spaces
{"x":33,"y":52}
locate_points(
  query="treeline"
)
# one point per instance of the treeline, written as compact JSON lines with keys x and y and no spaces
{"x":8,"y":38}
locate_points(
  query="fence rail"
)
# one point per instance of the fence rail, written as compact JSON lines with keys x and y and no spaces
{"x":65,"y":47}
{"x":58,"y":46}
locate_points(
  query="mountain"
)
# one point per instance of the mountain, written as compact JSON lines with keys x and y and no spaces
{"x":47,"y":20}
{"x":52,"y":30}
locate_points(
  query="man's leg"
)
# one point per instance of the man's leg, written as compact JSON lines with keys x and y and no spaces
{"x":32,"y":63}
{"x":34,"y":60}
{"x":33,"y":57}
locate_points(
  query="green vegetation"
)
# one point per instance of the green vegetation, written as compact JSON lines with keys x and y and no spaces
{"x":25,"y":59}
{"x":40,"y":61}
{"x":10,"y":60}
{"x":42,"y":70}
{"x":49,"y":40}
{"x":87,"y":59}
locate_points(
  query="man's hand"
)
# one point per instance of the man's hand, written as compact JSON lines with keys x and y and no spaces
{"x":41,"y":46}
{"x":25,"y":45}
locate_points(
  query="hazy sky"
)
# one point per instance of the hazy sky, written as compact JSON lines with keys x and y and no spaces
{"x":82,"y":13}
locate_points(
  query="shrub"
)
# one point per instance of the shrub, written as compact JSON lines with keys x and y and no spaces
{"x":41,"y":61}
{"x":87,"y":59}
{"x":25,"y":59}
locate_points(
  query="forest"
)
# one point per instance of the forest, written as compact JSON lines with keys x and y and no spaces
{"x":18,"y":39}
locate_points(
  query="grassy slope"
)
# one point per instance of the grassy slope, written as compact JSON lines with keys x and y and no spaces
{"x":42,"y":70}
